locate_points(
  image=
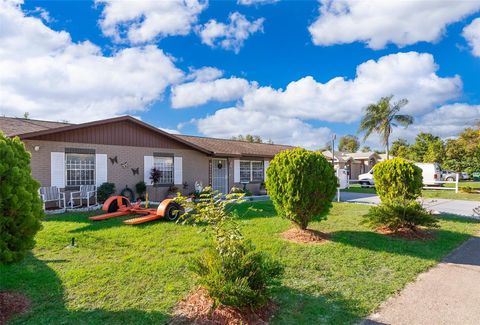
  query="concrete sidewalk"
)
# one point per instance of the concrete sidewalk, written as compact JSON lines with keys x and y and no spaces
{"x":449,"y":293}
{"x":457,"y":207}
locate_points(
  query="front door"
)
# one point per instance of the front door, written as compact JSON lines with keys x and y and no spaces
{"x":220,"y":175}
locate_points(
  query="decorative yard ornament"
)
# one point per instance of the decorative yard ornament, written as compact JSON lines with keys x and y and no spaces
{"x":198,"y":186}
{"x":124,"y":164}
{"x":113,"y":160}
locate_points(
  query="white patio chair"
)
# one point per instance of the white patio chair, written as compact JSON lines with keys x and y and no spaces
{"x":52,"y":194}
{"x":86,"y":193}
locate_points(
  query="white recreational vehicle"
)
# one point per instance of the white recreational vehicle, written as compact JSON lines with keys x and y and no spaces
{"x":431,"y":173}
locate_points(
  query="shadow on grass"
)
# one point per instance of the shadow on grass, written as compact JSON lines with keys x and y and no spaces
{"x":444,"y":241}
{"x":35,"y":279}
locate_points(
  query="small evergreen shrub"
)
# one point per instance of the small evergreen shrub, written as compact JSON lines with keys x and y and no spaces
{"x":397,"y":179}
{"x":231,"y":270}
{"x":141,"y":189}
{"x":20,"y":204}
{"x":395,"y":216}
{"x":104,"y":191}
{"x":302,"y":185}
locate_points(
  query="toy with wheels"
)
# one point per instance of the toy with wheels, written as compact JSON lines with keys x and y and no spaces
{"x":118,"y":206}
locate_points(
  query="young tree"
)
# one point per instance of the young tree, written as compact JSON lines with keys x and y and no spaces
{"x":381,"y":117}
{"x":366,"y":149}
{"x":20,"y":205}
{"x":301,"y":184}
{"x":348,"y":143}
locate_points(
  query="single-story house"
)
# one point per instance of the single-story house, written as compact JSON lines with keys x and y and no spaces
{"x":123,"y":151}
{"x":355,"y":163}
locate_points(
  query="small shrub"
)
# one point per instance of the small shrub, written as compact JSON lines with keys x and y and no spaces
{"x":104,"y":191}
{"x":141,"y":189}
{"x":398,"y":179}
{"x":20,"y":205}
{"x":302,"y":185}
{"x":467,"y":189}
{"x":236,"y":190}
{"x":231,"y":270}
{"x":396,"y":216}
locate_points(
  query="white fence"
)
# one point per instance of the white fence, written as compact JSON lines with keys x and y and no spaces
{"x":455,"y":188}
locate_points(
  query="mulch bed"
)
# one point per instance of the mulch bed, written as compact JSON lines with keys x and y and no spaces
{"x":407,"y":233}
{"x":197,"y":308}
{"x":305,"y":236}
{"x":12,"y":303}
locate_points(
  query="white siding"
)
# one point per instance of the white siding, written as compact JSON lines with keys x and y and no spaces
{"x":147,"y":167}
{"x":100,"y":169}
{"x":265,"y":166}
{"x":178,"y":170}
{"x":236,"y":171}
{"x":57,"y":169}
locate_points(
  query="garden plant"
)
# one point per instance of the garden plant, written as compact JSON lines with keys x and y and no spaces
{"x":302,"y":185}
{"x":20,"y":205}
{"x":399,"y":185}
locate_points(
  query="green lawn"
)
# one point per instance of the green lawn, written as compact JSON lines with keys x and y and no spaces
{"x":439,"y":194}
{"x":135,"y":274}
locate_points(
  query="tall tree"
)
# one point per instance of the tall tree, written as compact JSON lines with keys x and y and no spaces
{"x":401,"y":149}
{"x":463,"y":153}
{"x":250,"y":138}
{"x":348,"y":143}
{"x":366,"y":149}
{"x":381,"y":117}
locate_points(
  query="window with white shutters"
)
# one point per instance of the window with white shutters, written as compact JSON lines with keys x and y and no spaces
{"x":251,"y":171}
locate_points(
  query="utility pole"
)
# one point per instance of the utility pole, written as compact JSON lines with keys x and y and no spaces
{"x":334,"y":136}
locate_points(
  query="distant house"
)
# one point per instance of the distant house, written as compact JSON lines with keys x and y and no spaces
{"x":124,"y":150}
{"x":355,"y":163}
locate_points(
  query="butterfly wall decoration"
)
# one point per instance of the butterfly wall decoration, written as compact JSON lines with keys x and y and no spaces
{"x":124,"y":164}
{"x":113,"y":160}
{"x":135,"y":171}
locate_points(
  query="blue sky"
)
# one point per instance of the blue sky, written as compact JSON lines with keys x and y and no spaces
{"x":434,"y":62}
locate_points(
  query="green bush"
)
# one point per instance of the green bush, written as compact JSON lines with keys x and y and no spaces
{"x":395,"y":216}
{"x":20,"y":204}
{"x":231,"y":270}
{"x":241,"y":280}
{"x":302,"y":185}
{"x":141,"y":189}
{"x":397,"y":179}
{"x":104,"y":191}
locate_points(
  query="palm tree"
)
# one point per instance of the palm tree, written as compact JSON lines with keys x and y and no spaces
{"x":381,"y":117}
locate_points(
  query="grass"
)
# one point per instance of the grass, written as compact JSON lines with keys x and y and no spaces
{"x":437,"y":194}
{"x":122,"y":274}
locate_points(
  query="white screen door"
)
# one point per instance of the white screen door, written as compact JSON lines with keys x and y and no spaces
{"x":220,"y":175}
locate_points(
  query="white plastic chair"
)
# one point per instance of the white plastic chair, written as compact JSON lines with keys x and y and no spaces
{"x":86,"y":192}
{"x":52,"y":194}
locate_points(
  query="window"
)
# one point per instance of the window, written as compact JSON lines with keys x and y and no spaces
{"x":251,"y":171}
{"x":165,"y":166}
{"x":80,"y":167}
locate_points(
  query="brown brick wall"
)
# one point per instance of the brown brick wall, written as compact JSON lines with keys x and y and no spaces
{"x":195,"y":163}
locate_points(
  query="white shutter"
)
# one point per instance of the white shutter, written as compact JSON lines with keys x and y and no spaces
{"x":178,"y":170}
{"x":265,"y":166}
{"x":147,"y":167}
{"x":57,"y":169}
{"x":100,"y":169}
{"x":236,"y":171}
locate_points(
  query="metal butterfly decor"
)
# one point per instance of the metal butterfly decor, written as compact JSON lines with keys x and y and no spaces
{"x":113,"y":160}
{"x":135,"y":171}
{"x":124,"y":164}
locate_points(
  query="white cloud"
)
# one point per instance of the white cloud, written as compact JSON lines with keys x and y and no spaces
{"x":255,"y":2}
{"x":229,"y":36}
{"x":379,"y":22}
{"x":200,"y":92}
{"x":472,"y":35}
{"x":171,"y":131}
{"x":204,"y":74}
{"x":447,"y":121}
{"x":44,"y":73}
{"x":229,"y":122}
{"x":406,"y":75}
{"x":143,"y":21}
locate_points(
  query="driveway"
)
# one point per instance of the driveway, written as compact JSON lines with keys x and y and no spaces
{"x":458,"y":207}
{"x":449,"y":293}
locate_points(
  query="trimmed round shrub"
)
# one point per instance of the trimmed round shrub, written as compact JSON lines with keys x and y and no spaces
{"x":104,"y":191}
{"x":20,"y":204}
{"x":397,"y":179}
{"x":302,"y":185}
